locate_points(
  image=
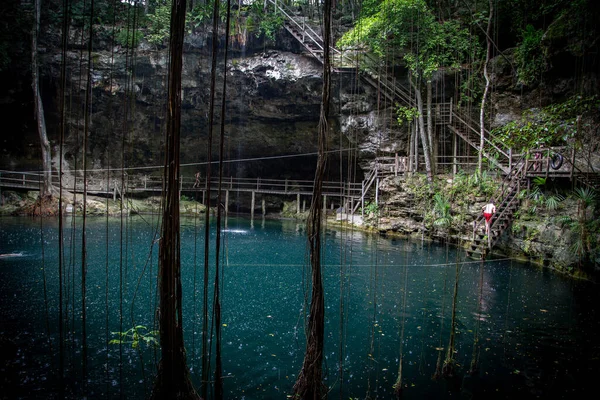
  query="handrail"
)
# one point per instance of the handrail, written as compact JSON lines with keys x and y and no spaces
{"x":503,"y":191}
{"x":304,"y":27}
{"x":486,"y":140}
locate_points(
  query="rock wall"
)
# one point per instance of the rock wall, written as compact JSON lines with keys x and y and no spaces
{"x":273,"y":100}
{"x":543,"y":235}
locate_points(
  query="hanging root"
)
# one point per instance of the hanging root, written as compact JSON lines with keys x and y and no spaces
{"x":173,"y":386}
{"x":448,"y":369}
{"x":438,"y":367}
{"x":398,"y":385}
{"x":44,"y":206}
{"x":474,"y":368}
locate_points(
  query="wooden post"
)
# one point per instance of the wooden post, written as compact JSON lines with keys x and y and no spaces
{"x":396,"y":165}
{"x":454,"y":150}
{"x":264,"y":207}
{"x":145,"y":181}
{"x":252,"y":205}
{"x":572,"y":162}
{"x":286,"y":185}
{"x":298,"y":203}
{"x":362,"y":201}
{"x":325,"y":204}
{"x":115,"y":191}
{"x":226,"y":201}
{"x":304,"y":205}
{"x":23,"y":179}
{"x":547,"y":162}
{"x":377,"y":191}
{"x":203,"y":196}
{"x":450,"y":110}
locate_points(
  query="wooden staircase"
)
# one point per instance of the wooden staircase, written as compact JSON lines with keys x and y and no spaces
{"x":300,"y":28}
{"x":469,"y":130}
{"x":481,"y":245}
{"x":588,"y":179}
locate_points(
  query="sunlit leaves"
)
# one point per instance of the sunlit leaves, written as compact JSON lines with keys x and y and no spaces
{"x":411,"y":28}
{"x":136,"y":335}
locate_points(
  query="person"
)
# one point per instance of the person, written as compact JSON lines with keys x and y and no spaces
{"x":488,"y":211}
{"x":197,"y":183}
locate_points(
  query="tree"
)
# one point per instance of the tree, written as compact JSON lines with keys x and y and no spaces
{"x":488,"y":55}
{"x":46,"y":189}
{"x":410,"y":27}
{"x":172,"y":381}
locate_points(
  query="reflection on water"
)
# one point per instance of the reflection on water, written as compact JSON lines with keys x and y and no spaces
{"x":533,"y":331}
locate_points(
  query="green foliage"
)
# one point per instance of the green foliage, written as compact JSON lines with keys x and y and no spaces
{"x":407,"y":114}
{"x":530,"y":57}
{"x":270,"y":25}
{"x":482,"y":182}
{"x":442,"y":211}
{"x":585,"y":197}
{"x":136,"y":335}
{"x":128,"y":38}
{"x":552,"y":125}
{"x":159,"y":24}
{"x":371,"y":208}
{"x":540,"y":196}
{"x":202,"y":14}
{"x":584,"y":230}
{"x":261,"y":21}
{"x":410,"y":26}
{"x":553,"y":201}
{"x":475,"y":184}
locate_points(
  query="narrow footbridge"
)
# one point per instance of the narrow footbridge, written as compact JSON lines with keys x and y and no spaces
{"x":120,"y":185}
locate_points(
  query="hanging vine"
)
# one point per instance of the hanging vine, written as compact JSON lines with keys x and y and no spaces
{"x":309,"y":384}
{"x":172,"y":379}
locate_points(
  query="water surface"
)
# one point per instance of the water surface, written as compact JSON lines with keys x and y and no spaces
{"x":530,"y":331}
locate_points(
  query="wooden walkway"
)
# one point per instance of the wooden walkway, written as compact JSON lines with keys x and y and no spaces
{"x":22,"y":180}
{"x":339,"y":194}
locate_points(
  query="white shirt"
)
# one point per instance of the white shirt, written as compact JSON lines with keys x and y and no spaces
{"x":489,"y":208}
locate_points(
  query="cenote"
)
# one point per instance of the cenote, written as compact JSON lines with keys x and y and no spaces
{"x":531,"y":332}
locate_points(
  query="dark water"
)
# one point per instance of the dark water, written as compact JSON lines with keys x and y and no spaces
{"x":536,"y":331}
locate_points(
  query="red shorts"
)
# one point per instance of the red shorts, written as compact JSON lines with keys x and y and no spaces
{"x":487,"y":216}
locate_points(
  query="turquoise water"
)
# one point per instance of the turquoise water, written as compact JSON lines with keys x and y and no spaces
{"x":536,"y":330}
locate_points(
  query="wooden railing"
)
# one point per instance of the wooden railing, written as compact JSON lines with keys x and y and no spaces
{"x":150,"y":183}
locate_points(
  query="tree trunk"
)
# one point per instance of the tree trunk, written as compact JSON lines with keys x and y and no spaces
{"x":172,"y":380}
{"x":486,"y":90}
{"x":424,"y":141}
{"x":46,"y":189}
{"x":309,"y":384}
{"x":409,"y":145}
{"x":430,"y":129}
